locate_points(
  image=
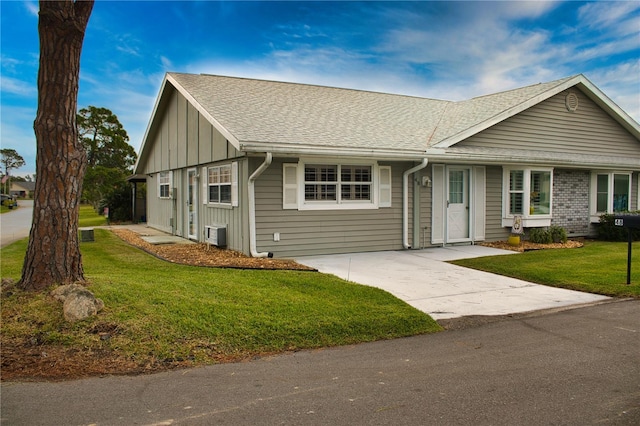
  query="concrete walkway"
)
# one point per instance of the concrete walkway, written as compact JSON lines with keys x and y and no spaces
{"x":423,"y":279}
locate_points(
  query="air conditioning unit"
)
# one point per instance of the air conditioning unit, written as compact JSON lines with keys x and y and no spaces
{"x":216,"y":235}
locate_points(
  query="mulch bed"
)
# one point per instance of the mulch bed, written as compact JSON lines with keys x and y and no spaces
{"x":200,"y":254}
{"x":528,"y":246}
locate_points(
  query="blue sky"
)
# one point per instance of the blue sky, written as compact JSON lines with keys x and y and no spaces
{"x":444,"y":50}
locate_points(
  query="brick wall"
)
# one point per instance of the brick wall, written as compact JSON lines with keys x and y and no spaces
{"x":571,"y":201}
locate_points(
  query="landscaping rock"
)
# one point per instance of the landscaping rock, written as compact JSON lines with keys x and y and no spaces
{"x":8,"y":286}
{"x":78,"y":302}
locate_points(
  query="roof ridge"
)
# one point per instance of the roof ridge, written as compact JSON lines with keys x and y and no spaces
{"x":349,"y":89}
{"x":521,"y":88}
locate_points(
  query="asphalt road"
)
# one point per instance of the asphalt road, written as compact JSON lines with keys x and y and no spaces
{"x":573,"y":367}
{"x":16,"y":224}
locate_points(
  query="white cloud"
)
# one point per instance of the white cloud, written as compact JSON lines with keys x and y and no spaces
{"x":622,"y":84}
{"x":16,"y":132}
{"x":610,"y":15}
{"x":18,"y":87}
{"x":32,"y":8}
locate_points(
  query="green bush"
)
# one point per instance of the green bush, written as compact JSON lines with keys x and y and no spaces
{"x":558,"y":234}
{"x":540,"y":236}
{"x":608,"y":231}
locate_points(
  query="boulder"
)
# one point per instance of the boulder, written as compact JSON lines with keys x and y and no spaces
{"x":78,"y":302}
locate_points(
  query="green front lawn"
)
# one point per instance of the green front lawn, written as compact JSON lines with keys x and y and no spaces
{"x":598,"y":267}
{"x":88,"y":217}
{"x":162,"y":312}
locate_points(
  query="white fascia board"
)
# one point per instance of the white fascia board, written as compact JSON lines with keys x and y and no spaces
{"x":219,"y":127}
{"x":591,"y":91}
{"x":148,"y":130}
{"x":301,"y":150}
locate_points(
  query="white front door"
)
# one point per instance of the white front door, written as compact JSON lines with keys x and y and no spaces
{"x":192,"y":204}
{"x":457,"y":205}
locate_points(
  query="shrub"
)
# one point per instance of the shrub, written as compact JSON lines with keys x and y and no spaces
{"x":608,"y":231}
{"x":558,"y":234}
{"x":540,"y":236}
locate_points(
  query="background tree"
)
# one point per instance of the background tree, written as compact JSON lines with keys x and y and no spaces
{"x":53,"y":254}
{"x":10,"y":159}
{"x":104,"y":138}
{"x":110,"y":160}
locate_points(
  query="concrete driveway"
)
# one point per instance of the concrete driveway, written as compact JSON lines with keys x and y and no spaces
{"x":423,"y":279}
{"x":16,"y":224}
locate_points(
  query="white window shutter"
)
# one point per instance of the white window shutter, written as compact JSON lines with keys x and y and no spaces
{"x":204,"y":180}
{"x":384,"y":186}
{"x":479,"y":202}
{"x":437,"y":204}
{"x":234,"y":184}
{"x":289,"y":186}
{"x":171,"y":194}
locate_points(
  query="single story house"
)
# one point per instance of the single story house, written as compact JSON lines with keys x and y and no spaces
{"x":272,"y":168}
{"x":22,"y":189}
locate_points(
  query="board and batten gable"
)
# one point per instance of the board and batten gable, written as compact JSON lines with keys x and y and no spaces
{"x":311,"y":232}
{"x":181,"y":138}
{"x":551,"y":126}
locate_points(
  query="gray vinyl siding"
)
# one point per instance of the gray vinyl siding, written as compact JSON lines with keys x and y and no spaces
{"x":324,"y":232}
{"x":159,"y":210}
{"x":494,"y":231}
{"x":234,"y":218}
{"x":549,"y":126}
{"x":424,"y":228}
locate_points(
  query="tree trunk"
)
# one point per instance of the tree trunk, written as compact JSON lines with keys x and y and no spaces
{"x":53,"y":254}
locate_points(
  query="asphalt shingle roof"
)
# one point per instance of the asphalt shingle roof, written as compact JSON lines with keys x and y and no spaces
{"x":289,"y":113}
{"x":261,"y":114}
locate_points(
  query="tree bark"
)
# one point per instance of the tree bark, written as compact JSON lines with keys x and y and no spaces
{"x":53,"y":255}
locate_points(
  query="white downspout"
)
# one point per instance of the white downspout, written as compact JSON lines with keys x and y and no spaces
{"x":405,"y":201}
{"x":252,"y":207}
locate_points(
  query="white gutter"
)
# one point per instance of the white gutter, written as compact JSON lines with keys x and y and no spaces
{"x":252,"y":207}
{"x":405,"y":201}
{"x":329,"y":151}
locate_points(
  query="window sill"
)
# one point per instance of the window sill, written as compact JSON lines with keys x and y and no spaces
{"x":333,"y":206}
{"x":528,"y":222}
{"x":220,"y":206}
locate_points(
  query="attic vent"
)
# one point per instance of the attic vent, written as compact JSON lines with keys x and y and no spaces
{"x":571,"y":101}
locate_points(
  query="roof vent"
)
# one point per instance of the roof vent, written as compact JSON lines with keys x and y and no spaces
{"x":571,"y":101}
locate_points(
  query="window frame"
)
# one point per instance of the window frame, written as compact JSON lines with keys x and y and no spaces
{"x":220,"y":184}
{"x":593,"y":192}
{"x":339,"y":203}
{"x":166,"y":175}
{"x":529,"y":219}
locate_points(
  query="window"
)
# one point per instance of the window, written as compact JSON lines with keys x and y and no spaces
{"x":527,"y":193}
{"x":219,"y":184}
{"x":337,"y":183}
{"x":331,"y":185}
{"x":516,"y":192}
{"x":164,"y":184}
{"x":610,"y":192}
{"x":540,"y":201}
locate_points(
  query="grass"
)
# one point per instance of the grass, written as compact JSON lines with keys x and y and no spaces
{"x":88,"y":217}
{"x":172,"y":312}
{"x":598,"y":267}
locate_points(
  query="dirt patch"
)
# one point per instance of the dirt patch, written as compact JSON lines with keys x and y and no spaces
{"x":200,"y":254}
